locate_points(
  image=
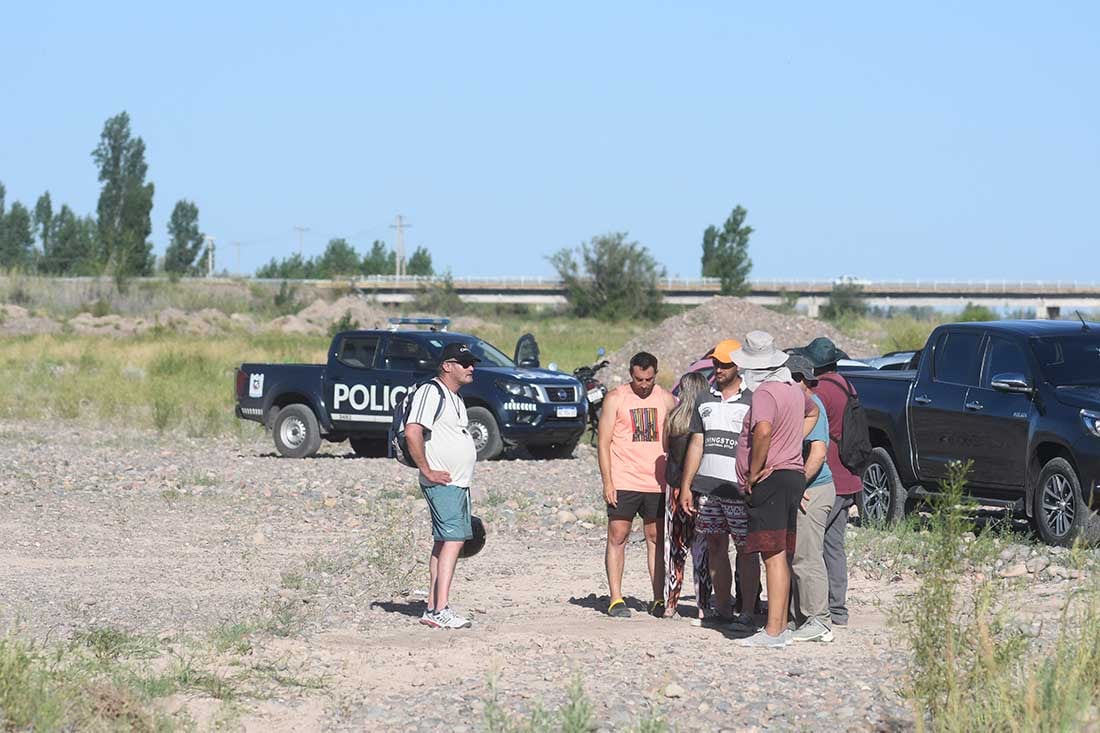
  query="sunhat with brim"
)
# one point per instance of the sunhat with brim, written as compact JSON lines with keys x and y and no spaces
{"x":822,"y":352}
{"x":758,"y":352}
{"x":802,"y":369}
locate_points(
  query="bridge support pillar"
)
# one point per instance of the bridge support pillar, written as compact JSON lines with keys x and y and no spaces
{"x":813,"y":306}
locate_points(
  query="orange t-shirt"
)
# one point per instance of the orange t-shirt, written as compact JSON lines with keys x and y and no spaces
{"x":637,"y":448}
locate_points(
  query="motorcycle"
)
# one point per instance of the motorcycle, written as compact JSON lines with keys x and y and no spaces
{"x":595,"y":391}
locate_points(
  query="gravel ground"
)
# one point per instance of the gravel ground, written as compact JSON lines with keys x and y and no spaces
{"x":173,"y":537}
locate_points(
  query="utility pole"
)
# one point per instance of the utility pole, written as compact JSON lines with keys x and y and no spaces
{"x":209,"y":254}
{"x":399,"y":258}
{"x":301,"y":230}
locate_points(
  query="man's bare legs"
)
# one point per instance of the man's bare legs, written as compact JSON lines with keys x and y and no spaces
{"x":779,"y":591}
{"x":655,"y":548}
{"x":618,"y":531}
{"x":441,"y":570}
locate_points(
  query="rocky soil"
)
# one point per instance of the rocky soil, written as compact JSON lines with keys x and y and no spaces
{"x":323,"y":561}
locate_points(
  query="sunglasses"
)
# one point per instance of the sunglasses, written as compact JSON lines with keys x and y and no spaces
{"x":464,"y":365}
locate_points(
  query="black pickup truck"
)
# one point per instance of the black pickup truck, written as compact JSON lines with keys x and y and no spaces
{"x":1020,"y":399}
{"x":352,"y":397}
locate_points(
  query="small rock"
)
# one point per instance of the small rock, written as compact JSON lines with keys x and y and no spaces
{"x":1014,"y":571}
{"x":1037,"y":564}
{"x":566,"y":517}
{"x":1007,"y":554}
{"x":258,"y":538}
{"x":673,"y":690}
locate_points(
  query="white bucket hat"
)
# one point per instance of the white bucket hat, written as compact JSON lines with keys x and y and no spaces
{"x":758,"y":352}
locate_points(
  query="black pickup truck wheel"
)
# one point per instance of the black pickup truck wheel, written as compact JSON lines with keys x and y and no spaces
{"x":1058,"y":512}
{"x":296,"y":432}
{"x":882,"y":502}
{"x":485,"y":432}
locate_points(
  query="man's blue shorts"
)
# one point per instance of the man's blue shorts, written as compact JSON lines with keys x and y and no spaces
{"x":450,"y":508}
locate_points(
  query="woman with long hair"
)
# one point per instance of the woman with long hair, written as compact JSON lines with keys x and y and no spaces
{"x":679,"y":526}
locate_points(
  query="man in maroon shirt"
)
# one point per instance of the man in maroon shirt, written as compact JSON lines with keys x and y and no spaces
{"x":832,"y":389}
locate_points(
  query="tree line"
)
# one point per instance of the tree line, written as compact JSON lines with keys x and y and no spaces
{"x":609,"y":277}
{"x":113,"y":241}
{"x":340,"y":259}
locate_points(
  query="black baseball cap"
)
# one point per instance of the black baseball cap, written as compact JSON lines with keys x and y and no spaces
{"x":801,"y":368}
{"x":460,"y":352}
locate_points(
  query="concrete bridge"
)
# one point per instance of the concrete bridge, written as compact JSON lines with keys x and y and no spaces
{"x":1047,"y":299}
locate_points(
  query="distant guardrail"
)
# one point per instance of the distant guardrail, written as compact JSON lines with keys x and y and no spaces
{"x":700,"y":285}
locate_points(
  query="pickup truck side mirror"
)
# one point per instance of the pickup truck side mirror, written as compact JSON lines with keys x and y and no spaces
{"x":1011,"y":382}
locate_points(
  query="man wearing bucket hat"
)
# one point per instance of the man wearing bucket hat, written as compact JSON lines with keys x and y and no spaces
{"x":833,"y":390}
{"x":770,"y":470}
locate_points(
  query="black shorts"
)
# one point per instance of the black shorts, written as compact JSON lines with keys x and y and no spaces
{"x":649,"y":505}
{"x":773,"y":512}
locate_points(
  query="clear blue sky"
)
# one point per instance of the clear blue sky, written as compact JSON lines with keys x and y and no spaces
{"x":933,"y":140}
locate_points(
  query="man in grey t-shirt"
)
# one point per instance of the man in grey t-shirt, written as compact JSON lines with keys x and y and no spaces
{"x":440,"y":444}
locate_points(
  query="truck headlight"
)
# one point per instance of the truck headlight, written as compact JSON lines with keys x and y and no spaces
{"x":1092,"y":421}
{"x":516,"y":388}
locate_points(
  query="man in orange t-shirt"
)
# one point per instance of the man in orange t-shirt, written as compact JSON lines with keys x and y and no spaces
{"x":632,"y":465}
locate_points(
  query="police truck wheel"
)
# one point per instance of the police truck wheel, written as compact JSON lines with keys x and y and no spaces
{"x":485,"y":432}
{"x":296,"y":432}
{"x":370,"y":447}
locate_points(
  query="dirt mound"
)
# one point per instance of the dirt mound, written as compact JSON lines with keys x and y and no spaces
{"x":323,"y":315}
{"x":680,"y":340}
{"x":17,"y":321}
{"x":295,"y":325}
{"x":109,"y":325}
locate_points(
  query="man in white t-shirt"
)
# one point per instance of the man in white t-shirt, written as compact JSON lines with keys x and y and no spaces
{"x":440,"y":444}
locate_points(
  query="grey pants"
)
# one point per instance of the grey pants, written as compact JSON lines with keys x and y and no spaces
{"x":810,"y":584}
{"x":835,"y":560}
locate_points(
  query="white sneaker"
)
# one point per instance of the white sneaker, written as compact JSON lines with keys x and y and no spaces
{"x":765,"y":640}
{"x":448,"y":619}
{"x":812,"y":630}
{"x":428,"y":619}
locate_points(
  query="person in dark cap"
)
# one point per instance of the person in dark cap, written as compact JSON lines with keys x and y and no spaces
{"x":443,"y":449}
{"x":832,"y":389}
{"x":810,"y":587}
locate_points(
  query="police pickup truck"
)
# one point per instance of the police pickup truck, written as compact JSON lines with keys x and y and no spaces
{"x":352,"y":397}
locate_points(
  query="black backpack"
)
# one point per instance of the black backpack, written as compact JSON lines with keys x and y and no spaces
{"x":399,"y":446}
{"x":854,"y":445}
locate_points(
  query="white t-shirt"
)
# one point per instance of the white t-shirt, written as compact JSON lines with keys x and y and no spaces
{"x":450,"y":446}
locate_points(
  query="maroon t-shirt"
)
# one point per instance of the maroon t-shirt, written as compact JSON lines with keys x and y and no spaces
{"x":831,"y":392}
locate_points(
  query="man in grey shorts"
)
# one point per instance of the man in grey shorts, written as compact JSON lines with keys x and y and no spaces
{"x":444,"y":451}
{"x":710,"y":490}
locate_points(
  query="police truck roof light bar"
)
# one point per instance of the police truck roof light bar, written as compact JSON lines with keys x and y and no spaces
{"x":441,"y":323}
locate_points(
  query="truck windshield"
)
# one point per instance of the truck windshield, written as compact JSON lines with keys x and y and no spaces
{"x":1069,"y":360}
{"x":489,"y":354}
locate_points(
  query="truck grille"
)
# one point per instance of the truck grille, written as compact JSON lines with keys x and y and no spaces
{"x":561,"y":394}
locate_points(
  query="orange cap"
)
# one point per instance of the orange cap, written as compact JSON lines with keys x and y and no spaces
{"x":723,"y":352}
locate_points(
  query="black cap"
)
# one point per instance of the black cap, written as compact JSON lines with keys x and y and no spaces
{"x":460,"y":352}
{"x":801,"y":368}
